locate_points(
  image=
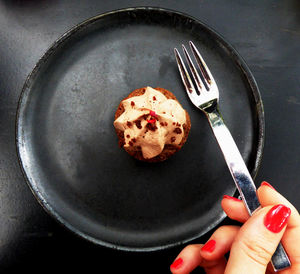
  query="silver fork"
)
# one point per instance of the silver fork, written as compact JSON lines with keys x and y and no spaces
{"x":207,"y":101}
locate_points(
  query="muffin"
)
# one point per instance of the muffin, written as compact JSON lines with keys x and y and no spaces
{"x":151,"y":124}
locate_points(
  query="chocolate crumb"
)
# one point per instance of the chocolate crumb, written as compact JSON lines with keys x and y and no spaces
{"x":129,"y":124}
{"x":127,"y":136}
{"x":133,"y":140}
{"x":130,"y":143}
{"x":138,"y":124}
{"x":174,"y":123}
{"x":154,"y":98}
{"x":151,"y":126}
{"x":173,"y":139}
{"x":162,"y":124}
{"x":177,"y":130}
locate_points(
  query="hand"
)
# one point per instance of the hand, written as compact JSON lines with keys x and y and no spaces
{"x":252,"y":245}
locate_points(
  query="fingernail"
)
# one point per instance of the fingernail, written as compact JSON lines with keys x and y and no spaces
{"x":231,"y":198}
{"x":277,"y":217}
{"x":177,"y":263}
{"x":209,"y":246}
{"x":264,"y":183}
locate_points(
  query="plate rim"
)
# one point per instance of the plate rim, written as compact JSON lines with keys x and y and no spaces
{"x":19,"y":142}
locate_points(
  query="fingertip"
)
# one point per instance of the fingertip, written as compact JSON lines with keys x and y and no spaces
{"x":277,"y":217}
{"x":234,"y":208}
{"x":220,"y":243}
{"x":268,"y":196}
{"x":231,"y":198}
{"x":228,"y":202}
{"x":268,"y":185}
{"x":187,"y":260}
{"x":209,"y":246}
{"x":267,"y":192}
{"x":176,"y":264}
{"x":264,"y":183}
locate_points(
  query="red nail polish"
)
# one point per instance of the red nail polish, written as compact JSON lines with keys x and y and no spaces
{"x":267,"y":184}
{"x":231,"y":198}
{"x":209,"y":246}
{"x":277,"y":217}
{"x":177,"y":263}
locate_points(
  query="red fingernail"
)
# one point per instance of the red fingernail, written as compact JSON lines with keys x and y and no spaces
{"x":209,"y":246}
{"x":277,"y":217}
{"x":264,"y":183}
{"x":177,"y":263}
{"x":231,"y":198}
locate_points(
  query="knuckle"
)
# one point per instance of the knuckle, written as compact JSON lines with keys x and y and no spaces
{"x":257,"y":250}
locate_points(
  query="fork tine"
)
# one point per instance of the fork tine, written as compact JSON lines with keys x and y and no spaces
{"x":203,"y":67}
{"x":184,"y":74}
{"x":194,"y":71}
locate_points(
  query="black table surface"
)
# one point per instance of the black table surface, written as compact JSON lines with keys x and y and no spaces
{"x":265,"y":33}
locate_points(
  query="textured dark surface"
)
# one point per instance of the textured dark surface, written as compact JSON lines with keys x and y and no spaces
{"x":265,"y":33}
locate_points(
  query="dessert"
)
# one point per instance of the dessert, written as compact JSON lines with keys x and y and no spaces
{"x":151,"y":124}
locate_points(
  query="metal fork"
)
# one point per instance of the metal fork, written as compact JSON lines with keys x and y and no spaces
{"x":207,"y":101}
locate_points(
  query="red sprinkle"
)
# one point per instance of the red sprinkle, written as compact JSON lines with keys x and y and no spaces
{"x":154,"y":98}
{"x":153,"y":114}
{"x":132,"y":103}
{"x":151,"y":121}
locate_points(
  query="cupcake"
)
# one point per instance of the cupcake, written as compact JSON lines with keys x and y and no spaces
{"x":151,"y":124}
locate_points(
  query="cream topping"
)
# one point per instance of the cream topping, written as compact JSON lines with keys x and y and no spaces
{"x":150,"y":121}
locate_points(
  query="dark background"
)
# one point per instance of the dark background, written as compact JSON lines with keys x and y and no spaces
{"x":265,"y":33}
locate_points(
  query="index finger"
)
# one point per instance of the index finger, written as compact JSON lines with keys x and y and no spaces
{"x":267,"y":196}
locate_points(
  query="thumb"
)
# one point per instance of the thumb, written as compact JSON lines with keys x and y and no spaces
{"x":257,"y":240}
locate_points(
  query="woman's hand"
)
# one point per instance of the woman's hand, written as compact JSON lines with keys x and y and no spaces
{"x":252,"y":245}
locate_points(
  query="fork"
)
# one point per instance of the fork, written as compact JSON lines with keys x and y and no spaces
{"x":207,"y":100}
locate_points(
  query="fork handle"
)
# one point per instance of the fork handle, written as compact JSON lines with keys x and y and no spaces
{"x":241,"y":176}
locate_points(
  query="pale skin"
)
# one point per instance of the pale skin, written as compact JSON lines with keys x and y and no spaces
{"x":251,"y":246}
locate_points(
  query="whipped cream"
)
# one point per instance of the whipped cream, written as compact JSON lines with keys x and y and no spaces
{"x":150,"y":121}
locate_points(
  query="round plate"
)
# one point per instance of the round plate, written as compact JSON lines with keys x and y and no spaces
{"x":68,"y":148}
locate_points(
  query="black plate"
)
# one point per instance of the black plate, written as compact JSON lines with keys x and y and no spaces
{"x":68,"y":148}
